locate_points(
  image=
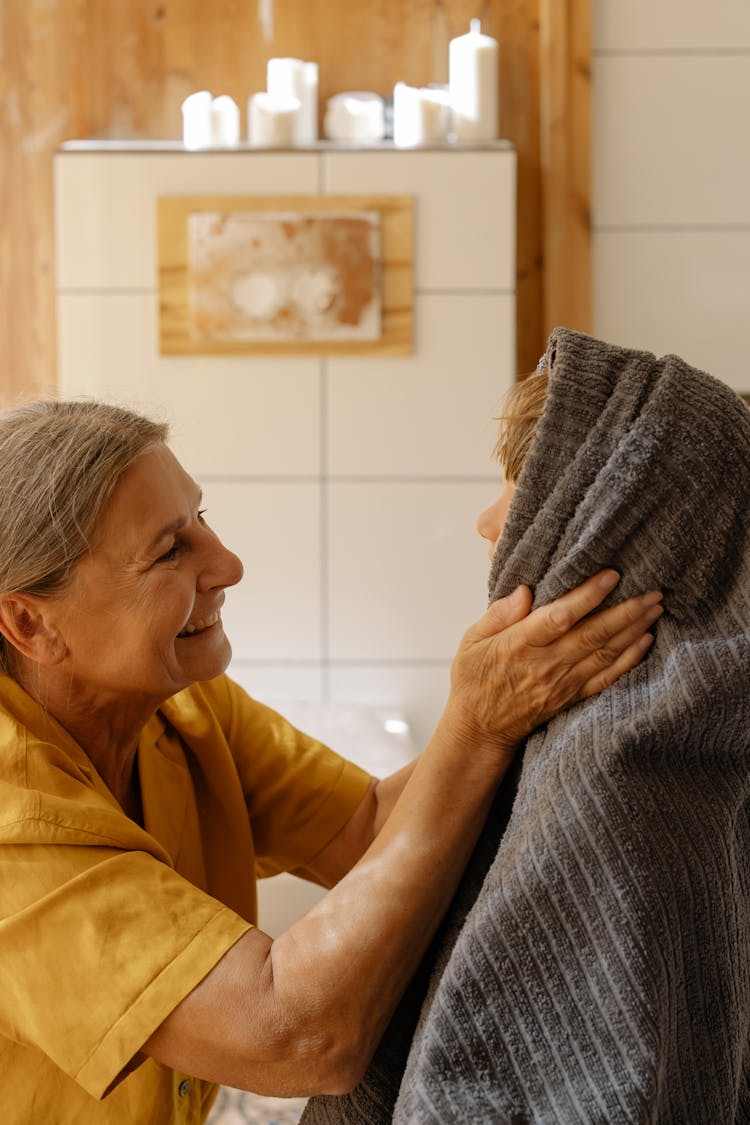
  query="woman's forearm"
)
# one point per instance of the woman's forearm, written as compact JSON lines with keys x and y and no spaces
{"x":387,"y":792}
{"x":343,"y":966}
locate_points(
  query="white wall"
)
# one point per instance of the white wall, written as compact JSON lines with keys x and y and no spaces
{"x":348,"y":486}
{"x":671,"y":195}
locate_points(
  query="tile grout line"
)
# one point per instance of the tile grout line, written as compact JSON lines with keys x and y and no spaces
{"x":670,"y":52}
{"x":345,"y":662}
{"x":670,"y":228}
{"x":325,"y":601}
{"x":98,"y":290}
{"x":347,"y":478}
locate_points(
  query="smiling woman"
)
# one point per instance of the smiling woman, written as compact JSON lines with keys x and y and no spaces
{"x":143,"y":792}
{"x":156,"y":574}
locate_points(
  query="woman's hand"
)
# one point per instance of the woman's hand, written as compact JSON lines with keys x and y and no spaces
{"x":515,"y":669}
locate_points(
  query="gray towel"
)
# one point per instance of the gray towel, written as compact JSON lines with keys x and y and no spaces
{"x":601,"y":971}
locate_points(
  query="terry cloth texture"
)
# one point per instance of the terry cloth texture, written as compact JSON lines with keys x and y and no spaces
{"x":594,"y":967}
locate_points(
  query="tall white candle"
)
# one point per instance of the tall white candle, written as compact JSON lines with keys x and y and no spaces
{"x":420,"y":116}
{"x":225,"y":122}
{"x":356,"y":116}
{"x":272,"y":122}
{"x":473,"y":85}
{"x":196,"y":120}
{"x":308,"y":120}
{"x":293,"y":78}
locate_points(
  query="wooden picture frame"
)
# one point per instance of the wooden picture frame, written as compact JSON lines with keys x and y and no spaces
{"x":182,"y":331}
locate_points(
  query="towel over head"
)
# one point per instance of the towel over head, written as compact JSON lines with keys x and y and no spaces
{"x":595,"y":964}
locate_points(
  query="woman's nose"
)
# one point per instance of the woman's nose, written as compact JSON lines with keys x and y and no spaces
{"x":235,"y":569}
{"x":221,"y":568}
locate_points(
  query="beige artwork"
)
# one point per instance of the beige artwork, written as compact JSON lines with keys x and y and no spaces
{"x":284,"y":276}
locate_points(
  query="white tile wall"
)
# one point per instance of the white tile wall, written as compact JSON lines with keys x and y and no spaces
{"x":428,"y":414}
{"x":683,"y":291}
{"x":406,"y":567}
{"x":105,"y":205}
{"x":420,"y":690}
{"x":465,"y":218}
{"x":670,"y":25}
{"x":228,"y":417}
{"x":275,"y":528}
{"x":348,"y":486}
{"x":277,"y":683}
{"x":671,"y":192}
{"x":672,"y":139}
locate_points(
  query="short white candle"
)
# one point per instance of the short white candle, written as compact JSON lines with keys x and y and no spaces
{"x":293,"y":78}
{"x":196,"y":120}
{"x":473,"y":85}
{"x":225,"y":122}
{"x":355,"y":116}
{"x":420,"y":116}
{"x":272,"y":122}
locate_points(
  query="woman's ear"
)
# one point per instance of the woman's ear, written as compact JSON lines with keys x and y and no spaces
{"x":25,"y":622}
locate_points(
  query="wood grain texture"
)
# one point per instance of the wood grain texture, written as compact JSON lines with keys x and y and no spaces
{"x":34,"y":116}
{"x":565,"y":117}
{"x":121,"y":68}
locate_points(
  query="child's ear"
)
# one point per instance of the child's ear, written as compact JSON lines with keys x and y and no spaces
{"x":25,"y":622}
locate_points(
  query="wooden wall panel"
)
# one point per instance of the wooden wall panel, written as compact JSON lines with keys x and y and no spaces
{"x":34,"y":115}
{"x":565,"y":120}
{"x":121,"y":68}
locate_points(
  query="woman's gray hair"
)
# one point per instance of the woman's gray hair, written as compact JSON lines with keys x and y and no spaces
{"x":59,"y":463}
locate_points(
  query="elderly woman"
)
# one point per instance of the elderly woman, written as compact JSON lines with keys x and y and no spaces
{"x":142,"y":791}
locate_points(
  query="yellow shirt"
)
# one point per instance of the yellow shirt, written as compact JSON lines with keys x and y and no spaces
{"x":105,"y":926}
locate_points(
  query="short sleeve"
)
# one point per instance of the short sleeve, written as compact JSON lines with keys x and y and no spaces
{"x":298,"y":792}
{"x":97,"y":946}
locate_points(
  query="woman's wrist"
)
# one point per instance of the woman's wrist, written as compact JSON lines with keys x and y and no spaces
{"x":462,"y":728}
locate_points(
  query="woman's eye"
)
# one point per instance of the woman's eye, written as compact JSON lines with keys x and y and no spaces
{"x":170,"y":554}
{"x":180,"y":544}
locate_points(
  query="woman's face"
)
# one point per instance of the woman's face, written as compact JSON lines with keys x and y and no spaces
{"x":492,"y":520}
{"x":141,"y":615}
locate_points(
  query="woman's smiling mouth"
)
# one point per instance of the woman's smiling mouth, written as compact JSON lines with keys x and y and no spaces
{"x":199,"y":625}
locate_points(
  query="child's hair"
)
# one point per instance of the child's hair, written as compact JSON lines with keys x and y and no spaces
{"x":522,"y":409}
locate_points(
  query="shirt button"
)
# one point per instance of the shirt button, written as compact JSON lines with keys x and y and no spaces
{"x":184,"y":1087}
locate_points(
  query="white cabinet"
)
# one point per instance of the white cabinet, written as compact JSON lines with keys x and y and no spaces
{"x":348,"y":485}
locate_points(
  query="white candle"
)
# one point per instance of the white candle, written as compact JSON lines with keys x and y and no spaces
{"x":420,"y":116}
{"x":473,"y":85}
{"x":225,"y":122}
{"x":293,"y":78}
{"x":272,"y":122}
{"x":196,"y":120}
{"x":308,"y":127}
{"x":356,"y":116}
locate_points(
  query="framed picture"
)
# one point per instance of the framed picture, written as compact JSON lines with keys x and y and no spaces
{"x":315,"y":274}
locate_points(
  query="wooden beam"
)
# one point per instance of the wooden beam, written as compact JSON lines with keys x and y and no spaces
{"x":517,"y":29}
{"x":565,"y":114}
{"x":35,"y":115}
